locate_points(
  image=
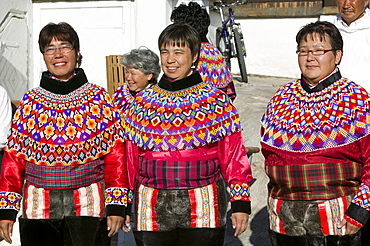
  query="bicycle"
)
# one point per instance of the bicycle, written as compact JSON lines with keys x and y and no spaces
{"x":229,"y":37}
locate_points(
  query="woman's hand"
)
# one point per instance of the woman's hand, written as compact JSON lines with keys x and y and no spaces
{"x":6,"y":229}
{"x":114,"y":223}
{"x":350,"y":228}
{"x":239,"y":222}
{"x":126,"y":227}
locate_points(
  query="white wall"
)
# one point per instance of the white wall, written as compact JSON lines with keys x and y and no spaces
{"x":270,"y":43}
{"x":15,"y":46}
{"x":271,"y":46}
{"x":104,"y":28}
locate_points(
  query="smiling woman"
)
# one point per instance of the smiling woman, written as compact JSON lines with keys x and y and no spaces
{"x":315,"y":138}
{"x":65,"y":181}
{"x":183,"y":134}
{"x":141,"y":71}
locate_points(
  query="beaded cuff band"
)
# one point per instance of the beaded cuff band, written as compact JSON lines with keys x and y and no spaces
{"x":10,"y":200}
{"x":116,"y":196}
{"x":239,"y":192}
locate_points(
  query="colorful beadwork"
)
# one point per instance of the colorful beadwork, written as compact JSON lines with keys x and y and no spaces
{"x":362,"y":197}
{"x":160,"y":120}
{"x":212,"y":67}
{"x":51,"y":129}
{"x":239,"y":192}
{"x":122,"y":99}
{"x":116,"y":196}
{"x":296,"y":120}
{"x":10,"y":200}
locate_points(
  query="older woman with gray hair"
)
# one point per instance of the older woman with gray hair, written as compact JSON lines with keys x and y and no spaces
{"x":141,"y":71}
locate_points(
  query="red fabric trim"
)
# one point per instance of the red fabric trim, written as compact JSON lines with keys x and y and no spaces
{"x":323,"y":218}
{"x":154,"y":214}
{"x":76,"y":196}
{"x":278,"y":210}
{"x":352,"y":221}
{"x":215,"y":200}
{"x":47,"y":204}
{"x":101,"y":200}
{"x":193,"y":208}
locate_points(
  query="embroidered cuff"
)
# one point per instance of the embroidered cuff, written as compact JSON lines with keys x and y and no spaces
{"x":116,"y":196}
{"x":10,"y":200}
{"x":357,"y":213}
{"x":352,"y":221}
{"x":239,"y":192}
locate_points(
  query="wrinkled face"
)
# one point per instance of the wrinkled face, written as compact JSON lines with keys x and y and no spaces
{"x":316,"y":67}
{"x":63,"y":62}
{"x":176,"y":61}
{"x":351,"y":10}
{"x":136,"y":80}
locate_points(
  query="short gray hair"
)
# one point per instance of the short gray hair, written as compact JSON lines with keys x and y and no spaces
{"x":143,"y":59}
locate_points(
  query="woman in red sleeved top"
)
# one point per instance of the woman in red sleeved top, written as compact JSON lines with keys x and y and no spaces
{"x":64,"y":157}
{"x":316,"y":142}
{"x":183,"y":134}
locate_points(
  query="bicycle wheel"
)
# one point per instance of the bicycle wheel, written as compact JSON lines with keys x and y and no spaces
{"x":222,"y":46}
{"x":240,"y":53}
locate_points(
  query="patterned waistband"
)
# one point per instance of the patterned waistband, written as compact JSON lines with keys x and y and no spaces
{"x":178,"y":174}
{"x":65,"y":177}
{"x":313,"y":181}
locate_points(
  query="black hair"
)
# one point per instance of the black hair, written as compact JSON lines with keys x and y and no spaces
{"x":194,"y":15}
{"x":63,"y":32}
{"x":323,"y":29}
{"x":180,"y":35}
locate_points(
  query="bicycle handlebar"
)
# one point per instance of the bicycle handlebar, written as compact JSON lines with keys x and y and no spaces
{"x":225,"y":3}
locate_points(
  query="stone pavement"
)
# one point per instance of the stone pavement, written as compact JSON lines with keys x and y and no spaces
{"x":251,"y":101}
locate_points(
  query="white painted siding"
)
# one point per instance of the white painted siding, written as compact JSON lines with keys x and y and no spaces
{"x":15,"y":46}
{"x":104,"y":28}
{"x":116,"y":27}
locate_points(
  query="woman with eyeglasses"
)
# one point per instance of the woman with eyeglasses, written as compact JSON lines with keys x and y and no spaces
{"x":64,"y":159}
{"x":315,"y":140}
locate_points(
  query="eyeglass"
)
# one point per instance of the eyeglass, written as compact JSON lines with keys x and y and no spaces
{"x":63,"y":49}
{"x":315,"y":52}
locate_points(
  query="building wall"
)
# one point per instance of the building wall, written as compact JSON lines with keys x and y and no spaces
{"x":104,"y":28}
{"x":116,"y":27}
{"x":15,"y":46}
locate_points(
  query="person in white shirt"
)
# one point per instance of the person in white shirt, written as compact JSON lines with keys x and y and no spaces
{"x":353,"y":22}
{"x":5,"y":116}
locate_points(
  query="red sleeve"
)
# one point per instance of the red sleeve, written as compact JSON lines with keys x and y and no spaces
{"x":132,"y":160}
{"x":12,"y":173}
{"x":365,"y":157}
{"x":235,"y":167}
{"x":115,"y":168}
